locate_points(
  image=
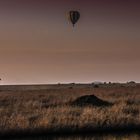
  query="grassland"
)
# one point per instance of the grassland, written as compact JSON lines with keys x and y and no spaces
{"x":48,"y":110}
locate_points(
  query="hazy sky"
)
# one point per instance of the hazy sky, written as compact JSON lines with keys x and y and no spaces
{"x":39,"y":45}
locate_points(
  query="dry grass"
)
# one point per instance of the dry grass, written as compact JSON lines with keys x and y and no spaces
{"x":48,"y":109}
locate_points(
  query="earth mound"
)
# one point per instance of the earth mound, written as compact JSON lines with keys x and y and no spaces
{"x":90,"y":100}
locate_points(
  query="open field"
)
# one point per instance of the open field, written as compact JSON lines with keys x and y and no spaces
{"x":49,"y":110}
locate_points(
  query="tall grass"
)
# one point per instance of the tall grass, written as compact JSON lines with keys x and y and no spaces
{"x":49,"y":110}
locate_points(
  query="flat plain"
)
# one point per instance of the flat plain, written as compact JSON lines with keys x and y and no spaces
{"x":40,"y":109}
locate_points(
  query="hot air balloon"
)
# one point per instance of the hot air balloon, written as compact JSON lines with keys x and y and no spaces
{"x":74,"y":17}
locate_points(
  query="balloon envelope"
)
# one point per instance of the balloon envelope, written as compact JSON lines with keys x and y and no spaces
{"x":74,"y":16}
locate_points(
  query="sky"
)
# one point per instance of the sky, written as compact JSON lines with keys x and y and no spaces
{"x":38,"y":44}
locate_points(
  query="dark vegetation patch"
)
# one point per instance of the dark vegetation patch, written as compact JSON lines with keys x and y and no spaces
{"x":90,"y":100}
{"x":42,"y":132}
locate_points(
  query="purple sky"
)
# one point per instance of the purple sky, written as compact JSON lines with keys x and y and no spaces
{"x":39,"y":45}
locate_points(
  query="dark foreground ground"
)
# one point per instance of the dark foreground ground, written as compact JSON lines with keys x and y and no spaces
{"x":69,"y":109}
